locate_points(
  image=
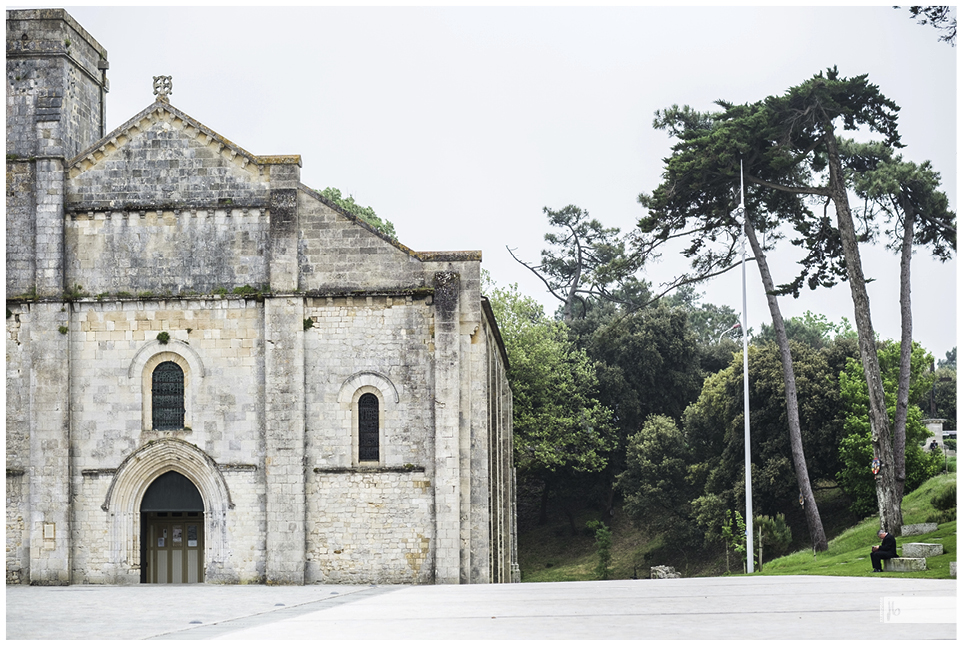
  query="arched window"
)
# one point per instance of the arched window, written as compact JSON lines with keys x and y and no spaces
{"x":368,"y":428}
{"x":167,"y":396}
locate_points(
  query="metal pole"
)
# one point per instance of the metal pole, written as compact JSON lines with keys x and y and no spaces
{"x":745,"y":377}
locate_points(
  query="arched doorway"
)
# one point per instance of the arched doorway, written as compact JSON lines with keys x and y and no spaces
{"x":172,"y":531}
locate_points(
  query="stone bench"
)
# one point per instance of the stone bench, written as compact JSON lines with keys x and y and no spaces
{"x":904,"y":564}
{"x":915,"y":549}
{"x":917,"y":529}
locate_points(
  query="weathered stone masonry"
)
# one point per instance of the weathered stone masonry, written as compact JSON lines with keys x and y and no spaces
{"x":163,"y":245}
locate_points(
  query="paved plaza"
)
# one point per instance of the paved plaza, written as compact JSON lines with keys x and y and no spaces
{"x":742,"y":607}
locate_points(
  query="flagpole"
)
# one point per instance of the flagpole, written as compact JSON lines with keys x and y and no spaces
{"x":745,"y":375}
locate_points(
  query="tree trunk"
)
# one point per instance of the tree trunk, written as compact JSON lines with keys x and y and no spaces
{"x":813,"y":520}
{"x":905,"y":349}
{"x":890,"y":515}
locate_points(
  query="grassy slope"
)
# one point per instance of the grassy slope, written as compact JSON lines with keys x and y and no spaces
{"x":848,"y":554}
{"x":551,"y":553}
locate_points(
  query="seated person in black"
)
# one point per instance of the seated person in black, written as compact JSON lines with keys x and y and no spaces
{"x":885,"y":550}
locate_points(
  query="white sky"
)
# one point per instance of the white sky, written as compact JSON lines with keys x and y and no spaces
{"x":459,"y":124}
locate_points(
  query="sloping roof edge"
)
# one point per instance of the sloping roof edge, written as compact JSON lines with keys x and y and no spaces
{"x":424,"y":256}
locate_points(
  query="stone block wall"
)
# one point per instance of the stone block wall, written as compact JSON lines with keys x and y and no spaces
{"x":18,"y":542}
{"x":56,"y":83}
{"x":284,"y":400}
{"x":247,"y":522}
{"x":370,"y":527}
{"x":337,"y":252}
{"x":17,"y":426}
{"x":176,"y":252}
{"x":20,"y":230}
{"x":90,"y":529}
{"x":221,"y":340}
{"x":18,"y":387}
{"x":369,"y":521}
{"x":111,"y":341}
{"x":163,"y":159}
{"x":385,"y":341}
{"x":55,"y":90}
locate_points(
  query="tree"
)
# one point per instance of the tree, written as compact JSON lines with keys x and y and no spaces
{"x":856,"y":450}
{"x":716,"y":328}
{"x":366,"y":214}
{"x":648,"y":364}
{"x":603,"y":548}
{"x":907,"y":196}
{"x":807,"y":116}
{"x":713,"y":427}
{"x":942,"y":18}
{"x":815,"y":330}
{"x":949,"y":361}
{"x":696,"y":201}
{"x":584,"y":259}
{"x":940,"y":402}
{"x":656,"y":482}
{"x":560,"y":427}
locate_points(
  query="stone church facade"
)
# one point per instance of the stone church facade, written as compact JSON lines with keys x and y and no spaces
{"x":214,"y":375}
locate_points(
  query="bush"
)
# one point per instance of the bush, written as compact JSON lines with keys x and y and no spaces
{"x":945,"y":502}
{"x":603,"y":546}
{"x":773,"y":534}
{"x":945,"y":498}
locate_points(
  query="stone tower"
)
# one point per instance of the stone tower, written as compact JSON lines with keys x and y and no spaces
{"x":56,"y":87}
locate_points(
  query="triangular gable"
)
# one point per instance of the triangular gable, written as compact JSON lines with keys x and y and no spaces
{"x":162,"y":157}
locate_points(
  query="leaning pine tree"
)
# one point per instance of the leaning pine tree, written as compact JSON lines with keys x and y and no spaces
{"x":697,"y":201}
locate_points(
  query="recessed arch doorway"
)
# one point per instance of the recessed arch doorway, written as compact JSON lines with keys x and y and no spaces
{"x":172,"y":531}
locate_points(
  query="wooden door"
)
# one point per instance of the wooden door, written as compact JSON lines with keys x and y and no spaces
{"x":175,"y":547}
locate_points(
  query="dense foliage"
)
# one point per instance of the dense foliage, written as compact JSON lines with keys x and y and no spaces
{"x":560,"y":426}
{"x":856,"y":449}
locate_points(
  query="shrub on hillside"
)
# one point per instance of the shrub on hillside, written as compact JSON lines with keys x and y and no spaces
{"x":945,"y":502}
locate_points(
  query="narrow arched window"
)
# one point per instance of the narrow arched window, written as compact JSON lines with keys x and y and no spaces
{"x":368,"y":428}
{"x":167,"y":396}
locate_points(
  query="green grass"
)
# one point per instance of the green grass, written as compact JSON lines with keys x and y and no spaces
{"x":848,"y":553}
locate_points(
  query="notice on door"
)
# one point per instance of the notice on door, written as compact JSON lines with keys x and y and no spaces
{"x":191,"y":536}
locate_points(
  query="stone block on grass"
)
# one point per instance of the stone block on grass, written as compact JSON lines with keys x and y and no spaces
{"x":904,"y":564}
{"x":662,"y":571}
{"x":917,"y":529}
{"x":916,"y":549}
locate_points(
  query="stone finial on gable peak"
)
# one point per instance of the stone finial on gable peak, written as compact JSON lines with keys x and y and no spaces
{"x":162,"y":87}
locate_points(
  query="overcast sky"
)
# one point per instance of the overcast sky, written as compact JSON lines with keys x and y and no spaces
{"x":460,"y":124}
